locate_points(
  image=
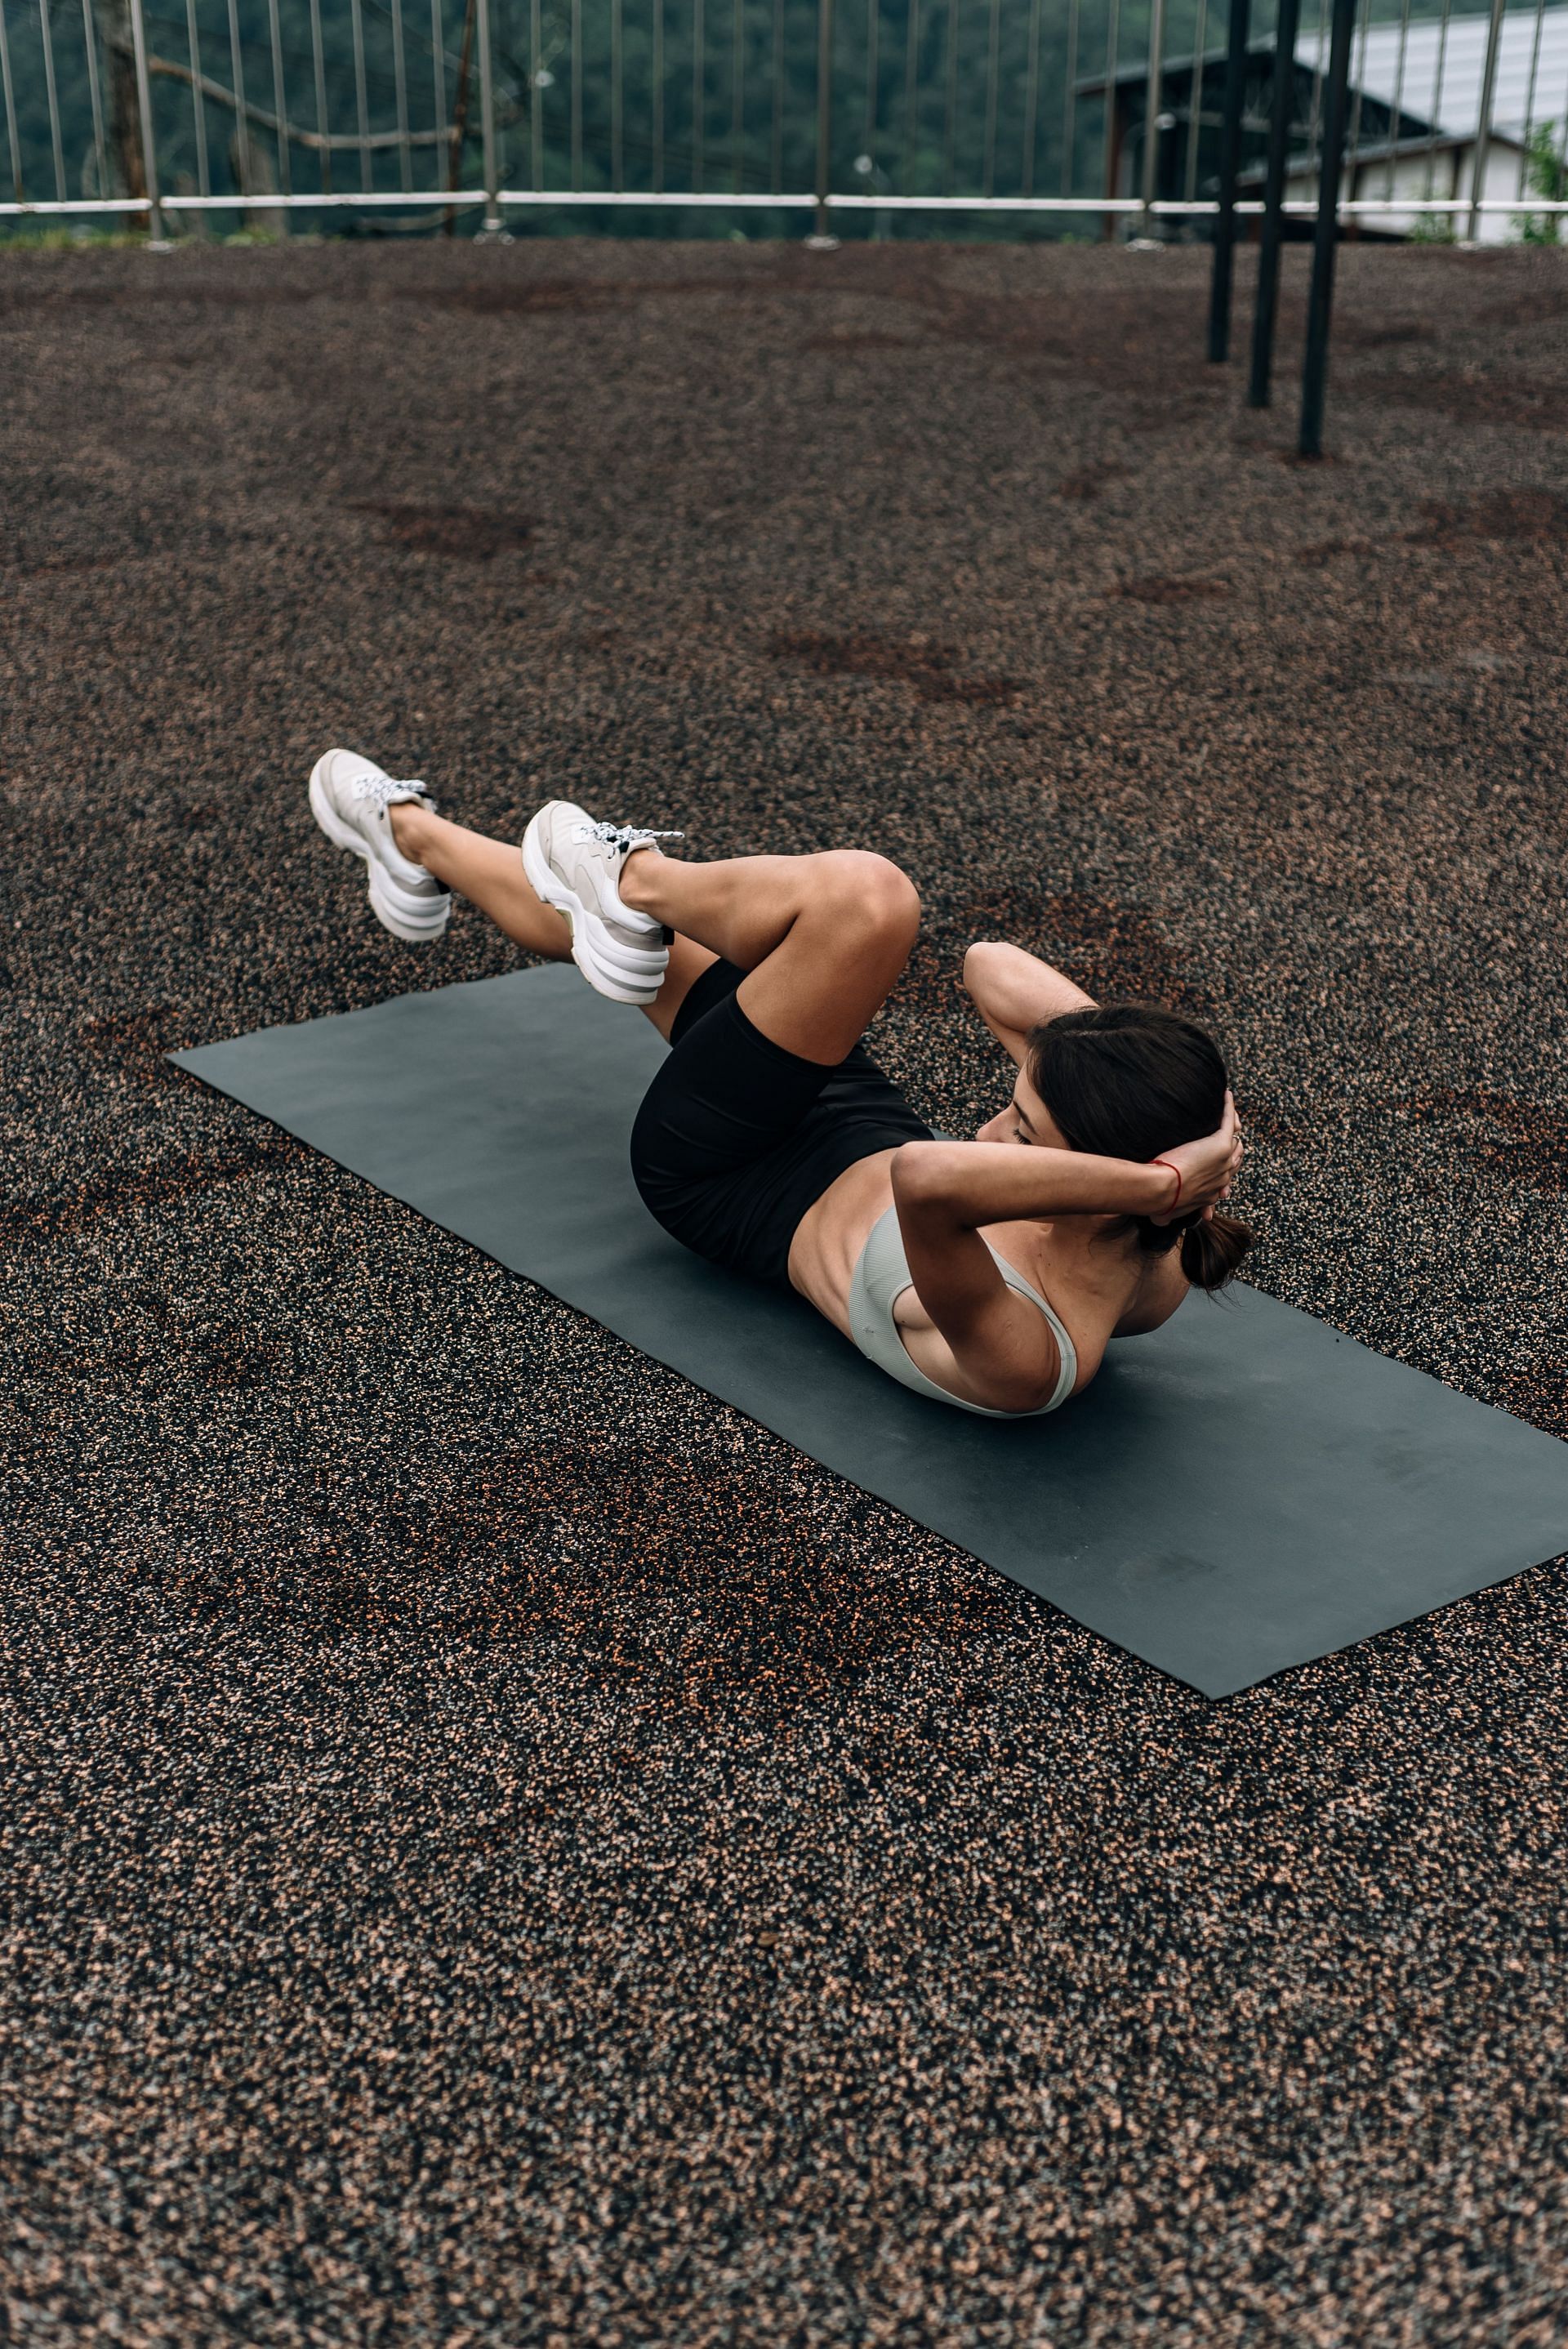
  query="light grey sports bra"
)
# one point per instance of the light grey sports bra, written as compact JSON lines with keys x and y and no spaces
{"x":881,"y":1279}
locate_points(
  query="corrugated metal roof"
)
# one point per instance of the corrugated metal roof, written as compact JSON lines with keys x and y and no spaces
{"x":1442,"y":82}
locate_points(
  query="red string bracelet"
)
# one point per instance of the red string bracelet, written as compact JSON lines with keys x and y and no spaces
{"x":1176,"y":1202}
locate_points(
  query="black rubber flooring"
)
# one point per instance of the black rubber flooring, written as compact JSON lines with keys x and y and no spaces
{"x":495,"y":1848}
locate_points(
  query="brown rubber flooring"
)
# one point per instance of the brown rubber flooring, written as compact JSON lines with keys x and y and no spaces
{"x":497,"y":1849}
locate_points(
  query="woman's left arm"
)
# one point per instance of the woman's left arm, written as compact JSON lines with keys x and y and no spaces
{"x":1014,"y":991}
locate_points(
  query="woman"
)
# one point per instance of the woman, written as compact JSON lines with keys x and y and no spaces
{"x":990,"y":1274}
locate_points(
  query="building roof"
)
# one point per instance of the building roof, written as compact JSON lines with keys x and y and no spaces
{"x":1442,"y":82}
{"x":1387,"y":150}
{"x":1439,"y":81}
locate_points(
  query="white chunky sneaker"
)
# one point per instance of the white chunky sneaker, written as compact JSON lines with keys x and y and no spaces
{"x":575,"y":866}
{"x":349,"y":797}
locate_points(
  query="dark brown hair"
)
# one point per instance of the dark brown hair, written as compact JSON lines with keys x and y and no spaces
{"x":1129,"y":1080}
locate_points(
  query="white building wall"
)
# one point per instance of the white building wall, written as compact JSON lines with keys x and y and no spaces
{"x":1451,"y":169}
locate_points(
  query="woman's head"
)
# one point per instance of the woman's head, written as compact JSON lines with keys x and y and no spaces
{"x":1129,"y":1080}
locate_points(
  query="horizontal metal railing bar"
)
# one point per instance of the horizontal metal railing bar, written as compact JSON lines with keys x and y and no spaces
{"x":1373,"y":205}
{"x":440,"y":199}
{"x":398,"y":199}
{"x":1306,"y":206}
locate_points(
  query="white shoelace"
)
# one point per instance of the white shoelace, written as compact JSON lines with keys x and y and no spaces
{"x":622,"y":836}
{"x":380,"y":789}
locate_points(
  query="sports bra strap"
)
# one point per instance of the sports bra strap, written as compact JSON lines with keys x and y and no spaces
{"x":881,"y":1279}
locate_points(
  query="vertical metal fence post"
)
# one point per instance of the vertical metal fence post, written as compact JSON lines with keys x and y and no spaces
{"x":699,"y":94}
{"x":286,"y":182}
{"x":1283,"y":109}
{"x":1194,"y":102}
{"x":400,"y":91}
{"x":992,"y":45}
{"x":1032,"y":99}
{"x":658,"y":98}
{"x":322,"y":118}
{"x":576,"y":39}
{"x":1152,"y":98}
{"x":12,"y":137}
{"x":1230,"y":163}
{"x":1397,"y":114}
{"x":198,"y":111}
{"x":1320,"y":300}
{"x":52,"y":102}
{"x":617,"y":93}
{"x":1112,"y":158}
{"x":910,"y":93}
{"x":822,"y":238}
{"x":776,"y":101}
{"x":242,"y":112}
{"x":95,"y":97}
{"x":536,"y":68}
{"x":1320,"y":66}
{"x":1069,"y":97}
{"x":1357,"y":105}
{"x":361,"y":87}
{"x":738,"y":98}
{"x":438,"y":82}
{"x":950,"y":110}
{"x":1530,"y":97}
{"x":1434,"y":109}
{"x":1483,"y":136}
{"x":493,"y":226}
{"x":158,"y":242}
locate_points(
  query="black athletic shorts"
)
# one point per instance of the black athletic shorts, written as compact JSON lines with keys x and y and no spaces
{"x":737,"y":1138}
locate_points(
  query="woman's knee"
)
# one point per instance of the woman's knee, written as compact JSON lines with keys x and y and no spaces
{"x":871,"y":891}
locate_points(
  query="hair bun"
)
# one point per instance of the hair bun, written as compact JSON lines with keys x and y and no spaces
{"x":1212,"y":1250}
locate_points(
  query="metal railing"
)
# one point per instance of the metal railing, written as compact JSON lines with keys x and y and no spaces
{"x":1086,"y":114}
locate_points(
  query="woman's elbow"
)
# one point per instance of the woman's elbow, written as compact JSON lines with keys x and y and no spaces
{"x":920,"y":1173}
{"x":982,"y":955}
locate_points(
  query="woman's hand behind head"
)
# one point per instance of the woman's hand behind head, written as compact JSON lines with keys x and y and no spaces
{"x":1207,"y":1168}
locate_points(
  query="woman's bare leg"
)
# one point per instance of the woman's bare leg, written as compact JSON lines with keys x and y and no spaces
{"x":821,"y":938}
{"x":489,"y":874}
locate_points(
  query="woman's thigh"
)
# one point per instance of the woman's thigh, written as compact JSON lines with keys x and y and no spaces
{"x":819,"y":990}
{"x":736,"y":1137}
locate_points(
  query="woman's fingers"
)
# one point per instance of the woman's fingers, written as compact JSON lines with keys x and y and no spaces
{"x":1207,"y":1167}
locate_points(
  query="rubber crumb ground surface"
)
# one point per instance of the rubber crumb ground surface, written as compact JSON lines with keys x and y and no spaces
{"x":499,"y":1850}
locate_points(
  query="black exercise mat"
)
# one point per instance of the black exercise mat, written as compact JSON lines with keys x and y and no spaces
{"x":1237,"y":1494}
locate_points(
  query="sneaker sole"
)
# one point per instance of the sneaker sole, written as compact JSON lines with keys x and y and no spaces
{"x":387,"y":901}
{"x":596,"y":954}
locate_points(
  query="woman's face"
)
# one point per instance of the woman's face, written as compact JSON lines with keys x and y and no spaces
{"x":1026,"y":1118}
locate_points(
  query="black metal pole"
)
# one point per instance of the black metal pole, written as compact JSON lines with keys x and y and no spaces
{"x":1229,"y":162}
{"x":1273,"y":199}
{"x":1325,"y":236}
{"x":822,"y":235}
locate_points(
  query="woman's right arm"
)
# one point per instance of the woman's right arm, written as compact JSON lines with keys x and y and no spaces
{"x":1014,"y":991}
{"x":1003,"y":1347}
{"x":946,"y":1191}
